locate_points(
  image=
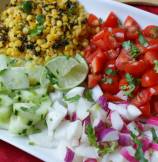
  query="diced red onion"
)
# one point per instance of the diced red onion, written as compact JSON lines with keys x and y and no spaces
{"x":146,"y":144}
{"x":86,"y":121}
{"x":154,"y":146}
{"x":102,"y":101}
{"x":125,"y":139}
{"x":108,"y":134}
{"x":153,"y":121}
{"x":74,"y":117}
{"x":140,"y":126}
{"x":69,"y":155}
{"x":124,"y":152}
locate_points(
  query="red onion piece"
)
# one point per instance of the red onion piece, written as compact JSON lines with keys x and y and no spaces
{"x":146,"y":144}
{"x":124,"y":152}
{"x":74,"y":117}
{"x":86,"y":121}
{"x":108,"y":134}
{"x":69,"y":155}
{"x":153,"y":121}
{"x":125,"y":139}
{"x":154,"y":146}
{"x":102,"y":101}
{"x":90,"y":160}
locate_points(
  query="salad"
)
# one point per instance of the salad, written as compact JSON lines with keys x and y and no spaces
{"x":98,"y":107}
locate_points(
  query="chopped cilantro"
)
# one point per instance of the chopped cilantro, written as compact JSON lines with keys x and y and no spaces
{"x":107,"y":150}
{"x":72,"y":99}
{"x":139,"y":154}
{"x":40,"y":19}
{"x":156,"y":66}
{"x":27,"y":6}
{"x":88,"y":95}
{"x":142,"y":40}
{"x":37,"y":30}
{"x":91,"y":136}
{"x":154,"y":135}
{"x":131,"y":47}
{"x":107,"y":80}
{"x":110,"y":72}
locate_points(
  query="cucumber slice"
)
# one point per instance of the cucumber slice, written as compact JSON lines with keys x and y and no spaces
{"x":34,"y":72}
{"x":15,"y":78}
{"x":3,"y":62}
{"x":5,"y":113}
{"x":5,"y":101}
{"x":27,"y":111}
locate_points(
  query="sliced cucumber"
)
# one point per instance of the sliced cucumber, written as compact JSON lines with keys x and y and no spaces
{"x":5,"y":113}
{"x":15,"y":78}
{"x":3,"y":62}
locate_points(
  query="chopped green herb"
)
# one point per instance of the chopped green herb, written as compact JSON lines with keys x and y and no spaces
{"x":156,"y":66}
{"x":110,"y":72}
{"x":107,"y":150}
{"x":139,"y":154}
{"x":154,"y":135}
{"x":107,"y":80}
{"x":40,"y":19}
{"x":72,"y":99}
{"x":31,"y":143}
{"x":142,"y":40}
{"x":88,"y":95}
{"x":37,"y":30}
{"x":30,"y":123}
{"x":131,"y":47}
{"x":27,"y":6}
{"x":91,"y":136}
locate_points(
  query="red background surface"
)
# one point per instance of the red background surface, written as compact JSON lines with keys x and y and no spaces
{"x":9,"y":153}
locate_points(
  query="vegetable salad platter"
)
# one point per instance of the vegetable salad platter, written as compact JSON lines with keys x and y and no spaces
{"x":79,"y":80}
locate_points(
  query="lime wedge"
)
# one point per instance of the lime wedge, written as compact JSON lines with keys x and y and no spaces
{"x":61,"y":65}
{"x":69,"y":72}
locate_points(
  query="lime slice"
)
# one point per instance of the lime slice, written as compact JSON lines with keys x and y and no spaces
{"x":61,"y":65}
{"x":69,"y":72}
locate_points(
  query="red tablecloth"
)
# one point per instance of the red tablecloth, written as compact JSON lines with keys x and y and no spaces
{"x":9,"y":153}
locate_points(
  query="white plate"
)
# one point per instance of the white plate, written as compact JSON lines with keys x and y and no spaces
{"x":101,"y":8}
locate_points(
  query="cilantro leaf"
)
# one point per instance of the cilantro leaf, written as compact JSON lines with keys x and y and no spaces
{"x":27,"y":7}
{"x":40,"y":19}
{"x":154,"y":135}
{"x":139,"y":154}
{"x":91,"y":136}
{"x":72,"y":99}
{"x":110,"y":72}
{"x":156,"y":66}
{"x":88,"y":95}
{"x":107,"y":80}
{"x":142,"y":40}
{"x":107,"y":150}
{"x":131,"y":47}
{"x":37,"y":30}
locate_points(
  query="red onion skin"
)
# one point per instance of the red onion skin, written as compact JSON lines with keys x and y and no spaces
{"x":74,"y":117}
{"x":102,"y":101}
{"x":127,"y":156}
{"x":153,"y":121}
{"x":69,"y":155}
{"x":86,"y":121}
{"x":146,"y":144}
{"x":154,"y":146}
{"x":125,"y":139}
{"x":90,"y":160}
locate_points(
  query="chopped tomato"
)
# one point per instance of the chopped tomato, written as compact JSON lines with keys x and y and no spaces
{"x":141,"y":98}
{"x":119,"y":34}
{"x":111,"y":21}
{"x":93,"y":20}
{"x":93,"y":80}
{"x":122,"y":60}
{"x":150,"y":57}
{"x":153,"y":90}
{"x":150,"y":78}
{"x":110,"y":64}
{"x":112,"y":98}
{"x":154,"y":104}
{"x":123,"y":82}
{"x":112,"y":54}
{"x":151,"y":31}
{"x":112,"y":86}
{"x":132,"y":28}
{"x":153,"y":45}
{"x":145,"y":109}
{"x":135,"y":68}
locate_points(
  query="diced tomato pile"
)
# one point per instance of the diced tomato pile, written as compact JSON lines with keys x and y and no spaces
{"x":124,"y":57}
